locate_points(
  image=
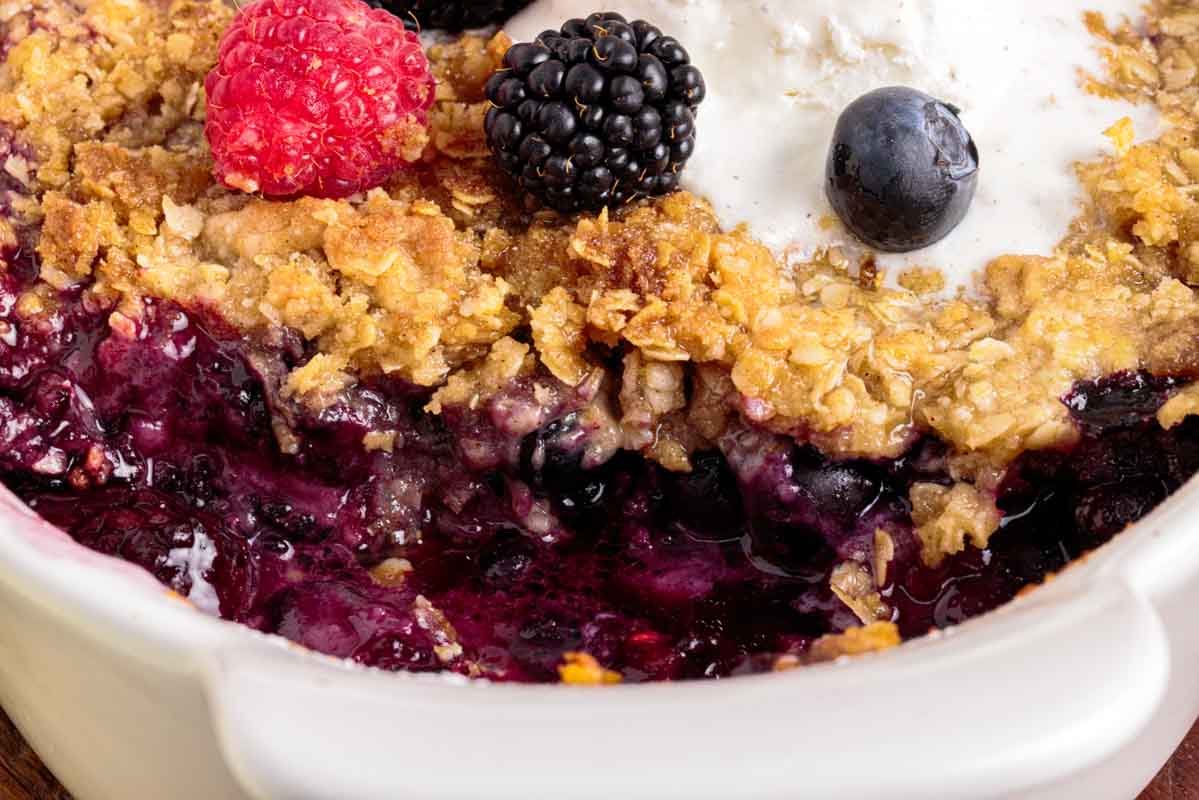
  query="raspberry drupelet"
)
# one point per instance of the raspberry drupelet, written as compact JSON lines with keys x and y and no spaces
{"x":316,"y":97}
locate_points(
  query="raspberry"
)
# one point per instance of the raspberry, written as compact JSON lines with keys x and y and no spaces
{"x":318,"y":97}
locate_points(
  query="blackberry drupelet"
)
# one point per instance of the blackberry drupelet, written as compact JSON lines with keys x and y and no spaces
{"x":452,"y":15}
{"x":596,"y":114}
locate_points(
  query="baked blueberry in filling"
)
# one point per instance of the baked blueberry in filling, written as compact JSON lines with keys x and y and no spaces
{"x":417,"y":559}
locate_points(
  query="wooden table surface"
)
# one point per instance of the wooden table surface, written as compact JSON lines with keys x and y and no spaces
{"x":24,"y":777}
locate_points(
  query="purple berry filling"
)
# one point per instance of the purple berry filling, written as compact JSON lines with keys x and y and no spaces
{"x":161,"y":445}
{"x":1058,"y":505}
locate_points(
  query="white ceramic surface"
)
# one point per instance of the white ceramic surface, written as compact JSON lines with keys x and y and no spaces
{"x":1080,"y":690}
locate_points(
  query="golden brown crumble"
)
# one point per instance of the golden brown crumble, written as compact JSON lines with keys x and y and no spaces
{"x":1179,"y":407}
{"x":867,"y":639}
{"x":445,"y":279}
{"x":391,"y":572}
{"x":128,"y":72}
{"x":432,"y":620}
{"x":469,"y":387}
{"x":945,"y":517}
{"x":854,"y":586}
{"x":581,"y":669}
{"x":872,"y":638}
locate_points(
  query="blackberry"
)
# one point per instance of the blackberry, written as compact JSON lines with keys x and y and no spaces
{"x":451,"y":15}
{"x":598,"y":113}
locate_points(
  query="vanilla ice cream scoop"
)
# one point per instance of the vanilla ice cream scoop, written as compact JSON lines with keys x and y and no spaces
{"x":780,"y":72}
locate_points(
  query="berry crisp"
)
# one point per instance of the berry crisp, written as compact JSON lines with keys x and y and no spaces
{"x":376,"y":395}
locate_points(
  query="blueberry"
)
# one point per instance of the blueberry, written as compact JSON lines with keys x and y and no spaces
{"x":902,"y":169}
{"x":541,"y":640}
{"x":586,"y":497}
{"x":1123,"y":400}
{"x":805,"y":509}
{"x":781,"y":547}
{"x":508,"y":559}
{"x":552,"y":452}
{"x":295,"y":525}
{"x":707,"y":500}
{"x":551,"y":461}
{"x":1102,"y":511}
{"x":842,"y":491}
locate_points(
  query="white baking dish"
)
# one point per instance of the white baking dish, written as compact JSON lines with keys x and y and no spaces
{"x":1081,"y":689}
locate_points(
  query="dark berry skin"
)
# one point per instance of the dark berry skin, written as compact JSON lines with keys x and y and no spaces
{"x":707,"y":500}
{"x":451,"y":15}
{"x":596,"y":114}
{"x":902,"y":169}
{"x":551,"y":460}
